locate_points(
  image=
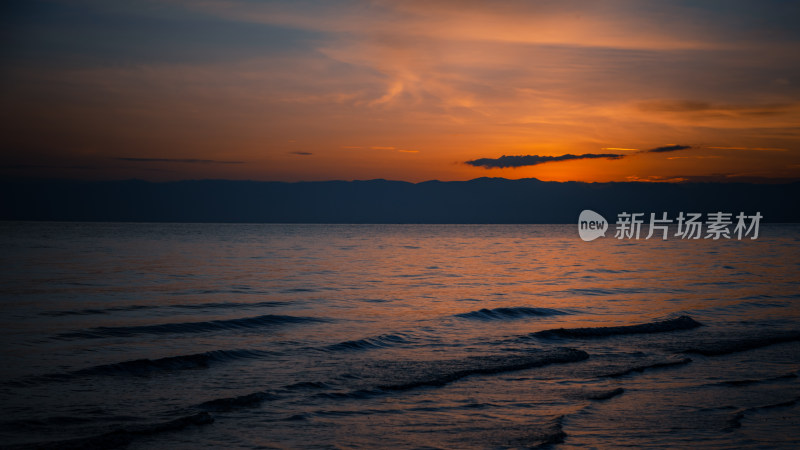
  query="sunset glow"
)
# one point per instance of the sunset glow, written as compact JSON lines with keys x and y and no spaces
{"x":411,"y":90}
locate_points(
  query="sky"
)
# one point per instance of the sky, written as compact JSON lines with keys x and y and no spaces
{"x":408,"y":90}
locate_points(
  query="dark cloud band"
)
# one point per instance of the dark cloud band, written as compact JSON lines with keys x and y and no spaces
{"x":667,"y":148}
{"x":533,"y":160}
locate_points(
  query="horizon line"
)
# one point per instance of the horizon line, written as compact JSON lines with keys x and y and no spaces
{"x":697,"y":179}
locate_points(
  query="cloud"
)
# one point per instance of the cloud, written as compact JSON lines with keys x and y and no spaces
{"x":301,"y":153}
{"x":532,"y":160}
{"x":694,"y":157}
{"x":583,"y":22}
{"x":451,"y":78}
{"x":735,"y":113}
{"x":176,"y":160}
{"x":731,"y":178}
{"x":667,"y":148}
{"x":692,"y":106}
{"x":769,"y":149}
{"x":44,"y":166}
{"x":655,"y":179}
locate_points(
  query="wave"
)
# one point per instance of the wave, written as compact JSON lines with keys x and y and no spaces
{"x":123,"y":436}
{"x":535,"y":435}
{"x":757,"y":297}
{"x":605,"y":270}
{"x":181,"y":362}
{"x":749,"y":382}
{"x":603,"y":395}
{"x":382,"y":341}
{"x":306,"y":385}
{"x":294,"y":290}
{"x":189,"y":327}
{"x":359,"y":394}
{"x":243,"y":401}
{"x":717,"y":348}
{"x":679,"y":323}
{"x":735,"y":420}
{"x":33,"y":425}
{"x":146,"y":366}
{"x":517,"y":312}
{"x":214,"y":305}
{"x":642,"y":368}
{"x":449,"y":371}
{"x":98,"y":311}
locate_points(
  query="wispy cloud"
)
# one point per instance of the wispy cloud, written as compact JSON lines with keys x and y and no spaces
{"x":655,"y":179}
{"x":693,"y":106}
{"x":533,"y":160}
{"x":667,"y":148}
{"x":178,"y":160}
{"x":768,"y":149}
{"x":505,"y":22}
{"x":301,"y":153}
{"x":45,"y":166}
{"x":449,"y":78}
{"x":727,"y":178}
{"x":695,"y":157}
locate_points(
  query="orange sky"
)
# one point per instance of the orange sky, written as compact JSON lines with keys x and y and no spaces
{"x":411,"y":90}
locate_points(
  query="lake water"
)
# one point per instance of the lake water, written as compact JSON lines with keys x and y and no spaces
{"x":400,"y":336}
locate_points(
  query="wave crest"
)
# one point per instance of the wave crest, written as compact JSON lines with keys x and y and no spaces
{"x":679,"y":323}
{"x":517,"y":312}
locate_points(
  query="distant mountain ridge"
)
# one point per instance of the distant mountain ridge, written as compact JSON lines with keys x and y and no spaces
{"x":482,"y":200}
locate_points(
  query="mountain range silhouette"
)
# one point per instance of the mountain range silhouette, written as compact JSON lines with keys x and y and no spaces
{"x":482,"y":200}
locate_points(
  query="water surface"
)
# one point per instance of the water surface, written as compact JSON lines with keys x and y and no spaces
{"x":409,"y":336}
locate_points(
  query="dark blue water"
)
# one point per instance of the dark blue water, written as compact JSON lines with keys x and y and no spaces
{"x":405,"y":336}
